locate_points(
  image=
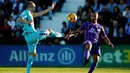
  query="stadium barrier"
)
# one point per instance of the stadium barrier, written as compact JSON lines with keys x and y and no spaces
{"x":47,"y":55}
{"x":63,"y":55}
{"x":115,"y":57}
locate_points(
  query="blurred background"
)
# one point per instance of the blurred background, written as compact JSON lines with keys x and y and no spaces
{"x":114,"y":15}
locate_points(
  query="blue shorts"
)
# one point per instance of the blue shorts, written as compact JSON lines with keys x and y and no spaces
{"x":33,"y":38}
{"x":95,"y":48}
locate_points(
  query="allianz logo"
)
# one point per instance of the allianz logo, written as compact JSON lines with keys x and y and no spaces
{"x":66,"y":56}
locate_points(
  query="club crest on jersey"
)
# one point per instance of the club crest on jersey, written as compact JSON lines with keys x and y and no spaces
{"x":92,"y":30}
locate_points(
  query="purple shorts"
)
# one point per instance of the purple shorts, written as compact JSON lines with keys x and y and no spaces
{"x":95,"y":49}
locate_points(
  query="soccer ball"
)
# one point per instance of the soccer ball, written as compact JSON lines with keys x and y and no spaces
{"x":71,"y":17}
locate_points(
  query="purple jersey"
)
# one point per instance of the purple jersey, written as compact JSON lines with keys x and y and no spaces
{"x":92,"y":32}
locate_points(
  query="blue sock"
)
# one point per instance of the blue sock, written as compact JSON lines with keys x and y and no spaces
{"x":93,"y":66}
{"x":29,"y":64}
{"x":86,"y":53}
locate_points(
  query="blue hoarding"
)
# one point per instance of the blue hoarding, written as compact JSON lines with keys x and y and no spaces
{"x":47,"y":55}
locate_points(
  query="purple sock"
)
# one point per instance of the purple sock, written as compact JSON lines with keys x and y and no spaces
{"x":86,"y":53}
{"x":93,"y":66}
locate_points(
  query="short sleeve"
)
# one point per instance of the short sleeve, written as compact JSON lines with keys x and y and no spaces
{"x":24,"y":14}
{"x":102,"y":33}
{"x":83,"y":26}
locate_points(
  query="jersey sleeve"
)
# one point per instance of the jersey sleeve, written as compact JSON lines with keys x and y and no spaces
{"x":24,"y":14}
{"x":102,"y":33}
{"x":83,"y":26}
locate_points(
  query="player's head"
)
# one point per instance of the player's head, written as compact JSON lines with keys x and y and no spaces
{"x":94,"y":16}
{"x":31,"y":6}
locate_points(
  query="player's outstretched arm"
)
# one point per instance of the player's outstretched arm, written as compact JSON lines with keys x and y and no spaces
{"x":106,"y":39}
{"x":44,"y":11}
{"x":71,"y":33}
{"x":104,"y":36}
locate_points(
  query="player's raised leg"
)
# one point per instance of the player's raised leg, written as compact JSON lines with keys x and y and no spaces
{"x":95,"y":58}
{"x":41,"y":35}
{"x":88,"y":46}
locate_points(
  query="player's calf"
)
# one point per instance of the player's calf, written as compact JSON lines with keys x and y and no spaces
{"x":33,"y":54}
{"x":31,"y":58}
{"x":95,"y":58}
{"x":88,"y":46}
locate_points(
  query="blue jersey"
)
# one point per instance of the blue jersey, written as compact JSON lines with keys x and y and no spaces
{"x":27,"y":15}
{"x":92,"y":32}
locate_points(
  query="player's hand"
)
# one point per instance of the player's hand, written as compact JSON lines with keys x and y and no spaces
{"x":53,"y":5}
{"x":111,"y":45}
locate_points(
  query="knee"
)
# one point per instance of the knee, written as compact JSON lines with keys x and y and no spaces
{"x":96,"y":59}
{"x":33,"y":54}
{"x":88,"y":45}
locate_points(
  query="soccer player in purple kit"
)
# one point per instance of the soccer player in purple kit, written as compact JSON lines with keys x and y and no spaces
{"x":91,"y":41}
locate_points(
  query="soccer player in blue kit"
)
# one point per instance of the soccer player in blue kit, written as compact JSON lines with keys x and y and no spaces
{"x":91,"y":41}
{"x":31,"y":35}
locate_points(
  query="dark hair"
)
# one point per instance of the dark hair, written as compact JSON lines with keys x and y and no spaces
{"x":89,"y":8}
{"x":94,"y":13}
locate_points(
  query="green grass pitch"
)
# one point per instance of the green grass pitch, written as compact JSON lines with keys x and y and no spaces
{"x":63,"y":70}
